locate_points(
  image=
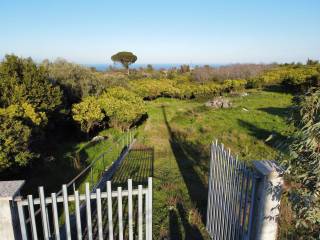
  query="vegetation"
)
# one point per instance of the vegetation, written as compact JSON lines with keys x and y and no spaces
{"x":181,"y":132}
{"x":125,"y":58}
{"x":118,"y":107}
{"x":28,"y":100}
{"x":37,"y":100}
{"x":304,"y":166}
{"x":88,"y":113}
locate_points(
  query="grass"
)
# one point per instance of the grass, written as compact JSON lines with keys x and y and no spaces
{"x":180,"y":132}
{"x":68,"y":158}
{"x":174,"y":149}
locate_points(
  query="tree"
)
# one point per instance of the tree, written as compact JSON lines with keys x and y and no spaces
{"x":304,"y":166}
{"x":88,"y":113}
{"x":21,"y":80}
{"x":76,"y":81}
{"x":17,"y":124}
{"x":125,"y":58}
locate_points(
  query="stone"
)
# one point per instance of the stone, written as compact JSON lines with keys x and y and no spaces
{"x":97,"y":138}
{"x":219,"y":102}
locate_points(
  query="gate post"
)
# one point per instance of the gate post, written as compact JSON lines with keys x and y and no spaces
{"x":267,"y":200}
{"x":9,"y":220}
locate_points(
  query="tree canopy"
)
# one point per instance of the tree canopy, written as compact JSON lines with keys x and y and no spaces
{"x":125,"y":58}
{"x":23,"y":81}
{"x":27,"y":98}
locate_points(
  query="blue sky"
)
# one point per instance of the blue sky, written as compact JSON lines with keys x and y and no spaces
{"x":162,"y":31}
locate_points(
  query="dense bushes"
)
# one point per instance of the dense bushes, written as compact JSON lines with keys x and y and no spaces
{"x":304,"y":166}
{"x":75,"y":80}
{"x":27,"y":101}
{"x":18,"y":123}
{"x":23,"y":81}
{"x":294,"y":77}
{"x":118,"y":107}
{"x":150,"y":89}
{"x":235,"y":85}
{"x":88,"y":113}
{"x":122,"y":107}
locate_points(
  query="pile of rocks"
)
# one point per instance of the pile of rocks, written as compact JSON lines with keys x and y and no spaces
{"x":219,"y":102}
{"x":97,"y":138}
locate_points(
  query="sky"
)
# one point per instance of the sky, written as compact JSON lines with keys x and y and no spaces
{"x":162,"y":31}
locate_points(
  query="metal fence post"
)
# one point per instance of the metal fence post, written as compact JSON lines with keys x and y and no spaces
{"x":267,"y":200}
{"x":9,"y":220}
{"x":91,"y":173}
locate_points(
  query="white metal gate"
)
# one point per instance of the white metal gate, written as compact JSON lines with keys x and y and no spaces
{"x":101,"y":214}
{"x":230,"y":197}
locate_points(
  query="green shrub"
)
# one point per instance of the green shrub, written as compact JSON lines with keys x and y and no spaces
{"x":88,"y":113}
{"x":292,"y":77}
{"x":177,"y":88}
{"x":118,"y":107}
{"x":122,"y":107}
{"x":17,"y":123}
{"x":235,"y":85}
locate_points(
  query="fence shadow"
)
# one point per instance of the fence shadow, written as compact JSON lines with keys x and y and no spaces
{"x":138,"y":166}
{"x":188,"y":156}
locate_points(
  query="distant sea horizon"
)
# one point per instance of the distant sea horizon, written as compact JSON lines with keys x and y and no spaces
{"x":157,"y":66}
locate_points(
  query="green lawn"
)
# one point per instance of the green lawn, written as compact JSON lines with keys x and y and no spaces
{"x":180,"y":131}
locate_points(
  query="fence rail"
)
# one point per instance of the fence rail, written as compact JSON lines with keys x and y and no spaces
{"x":230,"y":197}
{"x":101,"y":210}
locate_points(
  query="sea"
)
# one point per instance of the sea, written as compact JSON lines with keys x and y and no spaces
{"x":157,"y":66}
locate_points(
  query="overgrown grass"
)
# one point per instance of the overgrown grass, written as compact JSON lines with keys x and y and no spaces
{"x":181,"y":132}
{"x":67,"y":158}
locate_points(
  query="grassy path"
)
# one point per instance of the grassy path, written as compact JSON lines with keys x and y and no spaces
{"x":180,"y":131}
{"x":177,"y":187}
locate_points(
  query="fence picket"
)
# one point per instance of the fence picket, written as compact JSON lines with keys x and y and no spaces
{"x":146,"y":215}
{"x":22,"y":221}
{"x":88,"y":211}
{"x":99,"y":214}
{"x":43,"y":214}
{"x":130,"y":209}
{"x":55,"y":216}
{"x":77,"y":212}
{"x":140,"y":212}
{"x":120,"y":213}
{"x":66,"y":211}
{"x":109,"y":199}
{"x":252,"y":204}
{"x":32,"y":217}
{"x":245,"y":204}
{"x":150,"y":207}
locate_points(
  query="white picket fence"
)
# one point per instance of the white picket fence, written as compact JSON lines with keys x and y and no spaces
{"x":93,"y":217}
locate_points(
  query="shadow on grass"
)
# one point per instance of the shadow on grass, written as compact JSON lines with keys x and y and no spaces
{"x":283,"y":112}
{"x":138,"y":166}
{"x":271,"y":138}
{"x":188,"y":156}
